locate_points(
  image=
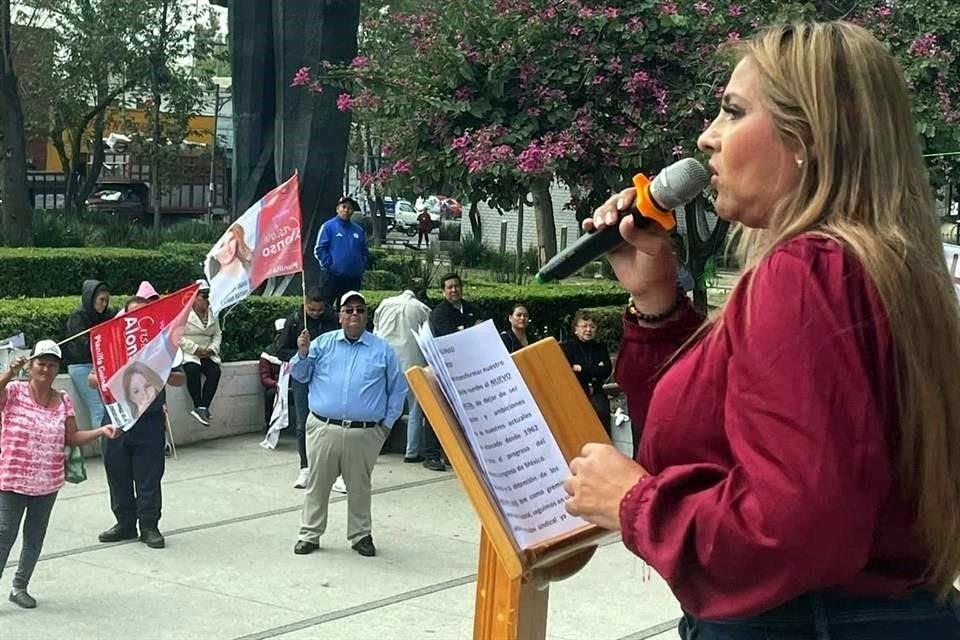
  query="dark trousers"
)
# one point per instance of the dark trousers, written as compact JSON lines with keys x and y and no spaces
{"x":269,"y":397}
{"x":12,"y":508}
{"x":832,"y":616}
{"x":601,"y":405}
{"x":423,"y":235}
{"x":202,"y":381}
{"x":431,"y":443}
{"x":301,"y":408}
{"x":335,"y":286}
{"x":134,"y":464}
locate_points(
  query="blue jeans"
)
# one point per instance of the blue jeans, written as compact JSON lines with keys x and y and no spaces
{"x":414,"y":425}
{"x":91,"y":397}
{"x":825,"y":615}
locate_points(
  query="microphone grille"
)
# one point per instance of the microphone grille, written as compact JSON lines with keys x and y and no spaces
{"x":679,"y":183}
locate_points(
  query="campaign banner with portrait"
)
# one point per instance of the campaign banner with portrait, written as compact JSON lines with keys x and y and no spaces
{"x":262,"y":243}
{"x":133,"y":354}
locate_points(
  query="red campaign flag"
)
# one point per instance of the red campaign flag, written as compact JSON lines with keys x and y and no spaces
{"x":133,"y":354}
{"x":263,"y":243}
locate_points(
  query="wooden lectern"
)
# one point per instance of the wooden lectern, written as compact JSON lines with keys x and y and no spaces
{"x":512,"y":584}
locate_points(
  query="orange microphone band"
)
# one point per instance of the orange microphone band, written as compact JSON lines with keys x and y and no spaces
{"x":647,"y":208}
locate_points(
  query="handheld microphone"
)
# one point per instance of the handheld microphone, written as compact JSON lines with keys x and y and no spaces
{"x":675,"y":185}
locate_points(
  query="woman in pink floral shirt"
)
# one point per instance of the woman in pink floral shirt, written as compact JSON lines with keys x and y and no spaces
{"x":38,"y":421}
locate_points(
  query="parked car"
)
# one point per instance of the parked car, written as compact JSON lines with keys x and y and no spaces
{"x":440,"y":207}
{"x":405,"y":218}
{"x":123,"y":201}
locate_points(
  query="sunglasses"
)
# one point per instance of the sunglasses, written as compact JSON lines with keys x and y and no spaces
{"x":353,"y":310}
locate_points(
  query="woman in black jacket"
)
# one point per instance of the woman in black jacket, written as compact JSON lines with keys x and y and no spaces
{"x":515,"y":337}
{"x":591,"y":364}
{"x":93,"y":309}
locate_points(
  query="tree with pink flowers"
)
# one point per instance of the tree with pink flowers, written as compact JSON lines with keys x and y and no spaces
{"x":496,"y":99}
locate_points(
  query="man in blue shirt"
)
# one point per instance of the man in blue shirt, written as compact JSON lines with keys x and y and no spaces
{"x":342,"y":251}
{"x":355,"y":392}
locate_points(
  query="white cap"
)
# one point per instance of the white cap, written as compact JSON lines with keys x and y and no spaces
{"x":204,"y":285}
{"x":279,"y":324}
{"x":351,"y":294}
{"x":47,"y":348}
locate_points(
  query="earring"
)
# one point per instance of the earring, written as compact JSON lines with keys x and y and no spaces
{"x":799,"y":162}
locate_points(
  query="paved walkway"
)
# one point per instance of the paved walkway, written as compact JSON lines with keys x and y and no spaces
{"x":228,"y":572}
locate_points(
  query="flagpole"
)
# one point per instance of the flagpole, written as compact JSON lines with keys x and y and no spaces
{"x":303,"y":282}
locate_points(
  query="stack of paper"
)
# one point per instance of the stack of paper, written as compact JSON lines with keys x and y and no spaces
{"x":510,"y":439}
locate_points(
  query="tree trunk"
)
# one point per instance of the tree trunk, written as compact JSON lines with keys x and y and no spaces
{"x":543,"y":212}
{"x":475,"y":221}
{"x":155,"y":164}
{"x":96,"y":161}
{"x":702,"y":244}
{"x":17,"y":210}
{"x":378,"y":211}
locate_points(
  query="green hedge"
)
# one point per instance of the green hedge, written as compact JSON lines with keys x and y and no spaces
{"x":61,"y":272}
{"x":248,"y":327}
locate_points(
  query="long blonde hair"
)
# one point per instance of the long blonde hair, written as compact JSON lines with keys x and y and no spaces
{"x":835,"y":93}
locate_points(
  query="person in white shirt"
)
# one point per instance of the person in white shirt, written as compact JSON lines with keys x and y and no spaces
{"x":395,"y":320}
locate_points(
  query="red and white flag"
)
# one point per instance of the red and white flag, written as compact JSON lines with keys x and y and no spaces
{"x":263,"y":243}
{"x":133,"y":354}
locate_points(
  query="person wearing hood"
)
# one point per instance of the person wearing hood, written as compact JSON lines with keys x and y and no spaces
{"x":93,"y":309}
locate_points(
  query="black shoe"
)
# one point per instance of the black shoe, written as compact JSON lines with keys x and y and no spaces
{"x":413,"y":459}
{"x":23,"y":600}
{"x":364,"y":546}
{"x":152,"y":538}
{"x":116,"y":533}
{"x":435,"y":464}
{"x":201,"y":415}
{"x":303,"y":548}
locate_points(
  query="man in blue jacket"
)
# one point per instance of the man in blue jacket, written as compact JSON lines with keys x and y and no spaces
{"x":342,"y":252}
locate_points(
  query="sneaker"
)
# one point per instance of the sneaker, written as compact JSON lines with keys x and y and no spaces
{"x":302,"y":479}
{"x":435,"y":464}
{"x":152,"y":538}
{"x":364,"y":546}
{"x":339,"y":486}
{"x":116,"y":533}
{"x":23,"y":599}
{"x":200,"y":415}
{"x":413,"y":459}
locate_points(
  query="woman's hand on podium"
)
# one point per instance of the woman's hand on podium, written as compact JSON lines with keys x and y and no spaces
{"x":601,"y":477}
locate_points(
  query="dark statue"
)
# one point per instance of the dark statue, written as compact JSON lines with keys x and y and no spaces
{"x":279,"y":128}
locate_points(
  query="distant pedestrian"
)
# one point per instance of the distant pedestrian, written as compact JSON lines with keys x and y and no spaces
{"x":424,"y":224}
{"x":356,"y":395}
{"x":37,"y":422}
{"x":93,"y":309}
{"x":201,"y":354}
{"x":342,"y":252}
{"x":395,"y":320}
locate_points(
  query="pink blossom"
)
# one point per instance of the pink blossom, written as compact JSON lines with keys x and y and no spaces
{"x":585,"y":12}
{"x":366,"y":179}
{"x":463,"y":94}
{"x":315,"y":86}
{"x":925,"y":46}
{"x":733,"y":36}
{"x":735,"y":10}
{"x":401,"y":166}
{"x":574,"y":30}
{"x":359,"y":62}
{"x":677,"y":151}
{"x":301,"y":77}
{"x":884,"y":10}
{"x":702,"y":8}
{"x":667,"y":8}
{"x":635,"y":24}
{"x":599,"y":79}
{"x":611,"y":12}
{"x":533,"y":112}
{"x":615,"y":66}
{"x":344,"y":102}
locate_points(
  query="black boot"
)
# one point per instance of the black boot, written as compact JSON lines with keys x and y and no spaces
{"x":117,"y":532}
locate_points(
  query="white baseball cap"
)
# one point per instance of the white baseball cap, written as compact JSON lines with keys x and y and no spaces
{"x":351,"y":294}
{"x":47,"y":348}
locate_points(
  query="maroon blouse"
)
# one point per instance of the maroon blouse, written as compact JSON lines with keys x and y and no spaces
{"x":770,"y":443}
